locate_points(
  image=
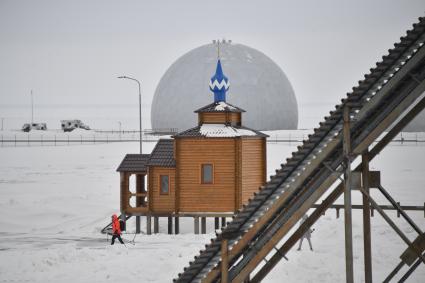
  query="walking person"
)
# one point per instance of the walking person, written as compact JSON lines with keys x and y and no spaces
{"x":307,"y":235}
{"x":116,"y":230}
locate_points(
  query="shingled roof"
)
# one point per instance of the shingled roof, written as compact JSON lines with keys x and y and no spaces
{"x":163,"y":154}
{"x":134,"y":163}
{"x":220,"y":106}
{"x":220,"y":131}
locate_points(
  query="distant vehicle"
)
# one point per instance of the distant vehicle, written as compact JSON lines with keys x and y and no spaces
{"x":70,"y":125}
{"x":34,"y":126}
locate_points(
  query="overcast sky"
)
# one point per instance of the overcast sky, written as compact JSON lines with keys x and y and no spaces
{"x":70,"y":52}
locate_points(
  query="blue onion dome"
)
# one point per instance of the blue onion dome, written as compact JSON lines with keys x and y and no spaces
{"x":219,"y":84}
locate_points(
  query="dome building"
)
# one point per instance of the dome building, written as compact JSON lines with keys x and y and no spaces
{"x":258,"y":86}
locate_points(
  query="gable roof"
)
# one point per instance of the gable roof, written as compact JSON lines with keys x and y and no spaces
{"x":163,"y":154}
{"x":220,"y":106}
{"x":134,"y":163}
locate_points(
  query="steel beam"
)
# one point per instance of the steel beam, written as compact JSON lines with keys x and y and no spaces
{"x":318,"y":212}
{"x":224,"y":261}
{"x":378,"y":148}
{"x":394,"y":272}
{"x":369,"y":136}
{"x":302,"y":206}
{"x":394,"y":113}
{"x":348,"y":222}
{"x":397,"y":128}
{"x":411,"y":269}
{"x":390,"y":135}
{"x":390,"y":222}
{"x":252,"y":232}
{"x":366,"y":221}
{"x":400,"y":210}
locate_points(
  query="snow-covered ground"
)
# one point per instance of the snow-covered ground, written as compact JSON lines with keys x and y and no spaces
{"x":55,"y":200}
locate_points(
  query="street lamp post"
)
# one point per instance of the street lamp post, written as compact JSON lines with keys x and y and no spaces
{"x":140,"y":108}
{"x":140,"y":136}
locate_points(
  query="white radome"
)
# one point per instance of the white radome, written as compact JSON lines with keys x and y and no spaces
{"x":257,"y":85}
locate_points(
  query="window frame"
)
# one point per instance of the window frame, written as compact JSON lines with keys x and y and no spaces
{"x":202,"y":173}
{"x":160,"y":184}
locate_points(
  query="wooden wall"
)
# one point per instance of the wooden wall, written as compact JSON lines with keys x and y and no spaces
{"x":123,"y":192}
{"x":159,"y":202}
{"x":194,"y":196}
{"x":219,"y":118}
{"x":253,"y":166}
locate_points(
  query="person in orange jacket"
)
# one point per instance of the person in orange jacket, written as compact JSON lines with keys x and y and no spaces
{"x":116,"y":229}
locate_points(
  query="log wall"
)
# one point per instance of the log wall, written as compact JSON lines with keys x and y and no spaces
{"x":161,"y":202}
{"x":194,"y":196}
{"x":219,"y":118}
{"x":253,"y":166}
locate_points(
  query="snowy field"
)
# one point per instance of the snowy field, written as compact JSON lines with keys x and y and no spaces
{"x":55,"y":200}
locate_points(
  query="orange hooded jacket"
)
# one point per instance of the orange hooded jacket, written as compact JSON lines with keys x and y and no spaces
{"x":116,"y":229}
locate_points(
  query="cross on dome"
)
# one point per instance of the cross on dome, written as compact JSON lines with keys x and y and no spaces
{"x":219,"y":84}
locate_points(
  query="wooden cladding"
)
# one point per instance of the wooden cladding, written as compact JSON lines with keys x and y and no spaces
{"x":238,"y":165}
{"x":231,"y":118}
{"x":124,"y":192}
{"x":253,"y":155}
{"x":195,"y":196}
{"x":212,"y":175}
{"x":160,"y":201}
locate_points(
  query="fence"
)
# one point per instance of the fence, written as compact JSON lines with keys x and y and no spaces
{"x":100,"y":137}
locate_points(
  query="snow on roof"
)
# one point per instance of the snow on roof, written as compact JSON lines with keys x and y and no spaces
{"x":222,"y":106}
{"x":221,"y":130}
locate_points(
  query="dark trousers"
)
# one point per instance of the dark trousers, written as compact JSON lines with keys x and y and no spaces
{"x":115,"y":236}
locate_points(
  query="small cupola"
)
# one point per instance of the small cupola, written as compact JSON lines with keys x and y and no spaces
{"x":219,"y":112}
{"x":219,"y":84}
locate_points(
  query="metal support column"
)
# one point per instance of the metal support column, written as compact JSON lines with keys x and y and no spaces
{"x":156,"y":224}
{"x":203,"y":225}
{"x":216,"y":223}
{"x":196,"y":224}
{"x":224,"y":262}
{"x":124,"y":219}
{"x":170,"y":225}
{"x":366,"y":220}
{"x":137,"y":224}
{"x":223,"y":221}
{"x":148,"y":225}
{"x":176,"y":225}
{"x":349,"y":270}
